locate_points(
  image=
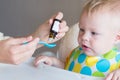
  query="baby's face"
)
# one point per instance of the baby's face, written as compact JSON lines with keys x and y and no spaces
{"x":97,"y":34}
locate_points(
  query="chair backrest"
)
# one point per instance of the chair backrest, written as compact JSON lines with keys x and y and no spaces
{"x":69,"y":42}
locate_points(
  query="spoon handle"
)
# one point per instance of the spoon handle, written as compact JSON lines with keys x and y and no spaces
{"x":45,"y":44}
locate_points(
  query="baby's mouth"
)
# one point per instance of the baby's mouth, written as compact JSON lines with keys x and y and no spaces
{"x":85,"y":47}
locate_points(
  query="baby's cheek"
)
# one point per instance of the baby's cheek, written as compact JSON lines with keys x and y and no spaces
{"x":79,"y":40}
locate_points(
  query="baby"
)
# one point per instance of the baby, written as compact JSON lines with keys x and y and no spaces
{"x":99,"y":32}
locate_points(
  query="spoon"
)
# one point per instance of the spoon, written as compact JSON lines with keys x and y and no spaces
{"x":51,"y":45}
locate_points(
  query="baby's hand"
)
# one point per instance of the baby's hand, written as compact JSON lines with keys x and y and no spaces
{"x":115,"y":75}
{"x":43,"y":59}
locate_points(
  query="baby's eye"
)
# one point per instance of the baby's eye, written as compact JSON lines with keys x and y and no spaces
{"x":81,"y":30}
{"x":94,"y":33}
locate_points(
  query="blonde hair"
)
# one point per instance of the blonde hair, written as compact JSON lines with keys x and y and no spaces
{"x":112,"y":7}
{"x":96,"y":5}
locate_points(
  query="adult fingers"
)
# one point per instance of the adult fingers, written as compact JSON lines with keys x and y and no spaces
{"x":24,"y":57}
{"x":63,"y":27}
{"x":16,"y":49}
{"x":58,"y":16}
{"x":21,"y":40}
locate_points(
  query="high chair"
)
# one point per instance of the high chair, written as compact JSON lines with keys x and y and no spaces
{"x":68,"y":43}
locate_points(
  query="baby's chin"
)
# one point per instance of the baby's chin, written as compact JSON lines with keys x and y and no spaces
{"x":92,"y":54}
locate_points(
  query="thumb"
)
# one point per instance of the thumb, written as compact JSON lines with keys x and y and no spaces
{"x":58,"y":16}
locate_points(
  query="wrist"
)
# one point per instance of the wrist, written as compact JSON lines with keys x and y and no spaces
{"x":57,"y":63}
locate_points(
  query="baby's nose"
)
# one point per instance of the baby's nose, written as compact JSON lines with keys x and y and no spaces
{"x":85,"y":37}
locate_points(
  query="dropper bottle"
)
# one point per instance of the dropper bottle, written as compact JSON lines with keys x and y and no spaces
{"x":54,"y":29}
{"x":55,"y":26}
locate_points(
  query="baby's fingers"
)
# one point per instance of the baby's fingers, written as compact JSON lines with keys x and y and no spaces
{"x":40,"y":59}
{"x":109,"y":76}
{"x":113,"y":75}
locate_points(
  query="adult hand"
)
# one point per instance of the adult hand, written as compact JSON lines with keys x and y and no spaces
{"x":43,"y":30}
{"x":13,"y":51}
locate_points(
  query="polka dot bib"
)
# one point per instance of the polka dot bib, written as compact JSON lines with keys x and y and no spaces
{"x":79,"y":62}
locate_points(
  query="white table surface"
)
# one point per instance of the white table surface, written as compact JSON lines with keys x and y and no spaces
{"x":27,"y":71}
